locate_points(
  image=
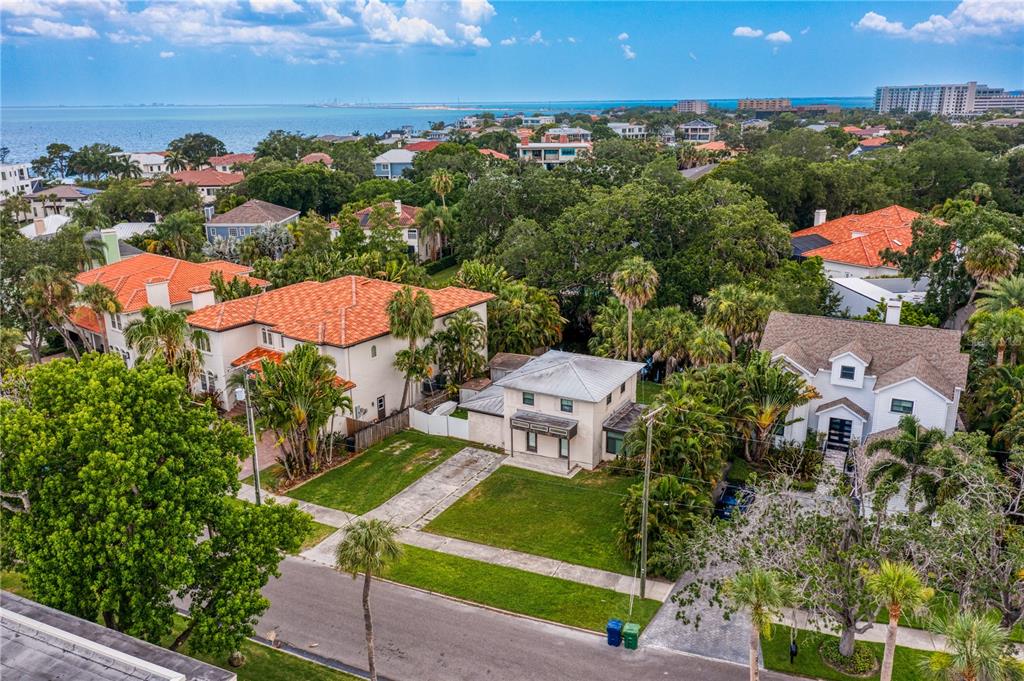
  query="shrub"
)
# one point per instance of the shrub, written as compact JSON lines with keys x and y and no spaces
{"x":861,"y":663}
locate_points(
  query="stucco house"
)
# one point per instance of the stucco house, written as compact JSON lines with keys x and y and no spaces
{"x":346,"y":318}
{"x":561,"y":406}
{"x":240,"y":221}
{"x":59,"y":200}
{"x":869,"y":374}
{"x":208,"y":182}
{"x":228,"y":162}
{"x":850,"y":246}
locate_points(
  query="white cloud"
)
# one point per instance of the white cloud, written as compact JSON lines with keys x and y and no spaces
{"x":167,"y":54}
{"x":29,"y":8}
{"x":693,"y":56}
{"x":571,"y":39}
{"x":623,"y":36}
{"x":537,"y":38}
{"x":51,"y":9}
{"x":476,"y":11}
{"x":969,"y":18}
{"x":330,"y":11}
{"x":473,"y":34}
{"x":778,"y":37}
{"x":628,"y":53}
{"x":747,"y":32}
{"x":805,"y":31}
{"x":383,"y":25}
{"x":509,"y":41}
{"x":123,"y":38}
{"x":274,"y":6}
{"x":55,"y":29}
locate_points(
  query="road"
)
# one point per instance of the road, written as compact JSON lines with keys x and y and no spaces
{"x":422,"y":637}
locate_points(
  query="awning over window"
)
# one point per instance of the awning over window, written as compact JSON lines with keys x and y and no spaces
{"x":544,"y":424}
{"x":623,"y":418}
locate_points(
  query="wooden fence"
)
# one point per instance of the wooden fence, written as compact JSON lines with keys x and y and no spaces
{"x":368,"y":434}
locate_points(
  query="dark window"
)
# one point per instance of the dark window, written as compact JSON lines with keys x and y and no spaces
{"x":622,"y":388}
{"x":566,"y":405}
{"x":612,"y":442}
{"x":531,"y":441}
{"x":608,"y":400}
{"x":528,"y":398}
{"x":902,"y":406}
{"x":847,"y":373}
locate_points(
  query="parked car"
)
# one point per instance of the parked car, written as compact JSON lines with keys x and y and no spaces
{"x":734,"y":499}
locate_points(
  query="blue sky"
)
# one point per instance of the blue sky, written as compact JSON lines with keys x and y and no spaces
{"x":84,"y":52}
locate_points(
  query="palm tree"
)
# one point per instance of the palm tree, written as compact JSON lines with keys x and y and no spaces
{"x":51,"y":293}
{"x":89,"y":216}
{"x":634,"y":284}
{"x":98,"y":298}
{"x":175,"y":161}
{"x":989,"y":258}
{"x":410,"y":316}
{"x":1002,"y":330}
{"x":522,"y":319}
{"x":1002,"y":295}
{"x":164,"y":334}
{"x":773,"y":392}
{"x":86,"y":250}
{"x":179,"y":234}
{"x":763,"y":594}
{"x":460,"y":344}
{"x":667,"y":335}
{"x":369,"y":546}
{"x":708,"y":346}
{"x":10,"y":339}
{"x":738,"y":312}
{"x":442,"y":183}
{"x":906,"y":461}
{"x":979,"y":650}
{"x":482,"y":276}
{"x":898,"y":588}
{"x":433,"y":222}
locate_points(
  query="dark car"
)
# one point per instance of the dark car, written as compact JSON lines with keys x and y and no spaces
{"x":734,"y":499}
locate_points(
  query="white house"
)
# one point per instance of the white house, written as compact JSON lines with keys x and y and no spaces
{"x":552,"y":154}
{"x":858,"y":295}
{"x":150,"y":163}
{"x":346,"y":318}
{"x":392,"y":162}
{"x":227,"y":162}
{"x":537,"y":121}
{"x":629,"y":131}
{"x":16,"y":178}
{"x":561,"y":406}
{"x":869,"y":374}
{"x":698,"y":131}
{"x":420,"y":247}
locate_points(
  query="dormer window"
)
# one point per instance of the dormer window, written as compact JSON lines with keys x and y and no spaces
{"x":847,"y":373}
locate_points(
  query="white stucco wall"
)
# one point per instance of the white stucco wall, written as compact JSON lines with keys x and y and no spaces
{"x":486,"y":428}
{"x":930,"y":408}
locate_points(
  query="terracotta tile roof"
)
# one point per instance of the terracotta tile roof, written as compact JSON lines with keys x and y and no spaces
{"x":317,"y":157}
{"x":717,"y":145}
{"x":208,"y":177}
{"x":421,"y":146}
{"x":258,"y":354}
{"x":874,"y":142}
{"x":254,"y":212}
{"x":127,"y":278}
{"x":341,"y":312}
{"x":931,"y":355}
{"x":231,"y":159}
{"x":841,"y":229}
{"x":852,"y":129}
{"x":87,"y":319}
{"x":865,"y":250}
{"x":407,"y":218}
{"x":494,"y":154}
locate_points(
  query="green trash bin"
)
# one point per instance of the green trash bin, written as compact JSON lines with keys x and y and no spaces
{"x":630,"y":635}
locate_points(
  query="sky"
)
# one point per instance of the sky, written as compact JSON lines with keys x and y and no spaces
{"x":108,"y":52}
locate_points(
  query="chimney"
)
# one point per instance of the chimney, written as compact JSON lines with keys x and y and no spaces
{"x":398,"y":207}
{"x":157,"y":293}
{"x":111,"y":248}
{"x":202,"y":296}
{"x":893,"y":308}
{"x":40,"y":226}
{"x":819,"y":216}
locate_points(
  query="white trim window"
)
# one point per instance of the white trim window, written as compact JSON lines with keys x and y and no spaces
{"x":207,"y":381}
{"x":898,"y":406}
{"x":116,"y":321}
{"x":269,"y":338}
{"x":203,"y":343}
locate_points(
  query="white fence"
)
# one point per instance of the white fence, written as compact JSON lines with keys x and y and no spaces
{"x":440,"y":422}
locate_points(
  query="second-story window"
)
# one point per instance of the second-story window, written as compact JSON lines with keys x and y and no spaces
{"x":203,"y":343}
{"x":902,"y":406}
{"x":566,"y":405}
{"x":412,"y":234}
{"x":528,"y":398}
{"x":116,"y":322}
{"x":847,"y":373}
{"x":373,"y":351}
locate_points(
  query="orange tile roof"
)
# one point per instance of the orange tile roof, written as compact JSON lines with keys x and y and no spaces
{"x":340,"y":312}
{"x":208,"y":177}
{"x":864,"y":250}
{"x":85,"y":318}
{"x":406,"y":219}
{"x":259,"y":354}
{"x":852,"y":129}
{"x":231,"y":159}
{"x":429,"y":145}
{"x":317,"y":157}
{"x":717,"y":145}
{"x":127,"y":278}
{"x":494,"y":154}
{"x":845,"y":227}
{"x":872,"y":142}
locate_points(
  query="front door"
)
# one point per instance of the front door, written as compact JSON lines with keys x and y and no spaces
{"x":563,"y":448}
{"x":381,"y":410}
{"x":839,"y":431}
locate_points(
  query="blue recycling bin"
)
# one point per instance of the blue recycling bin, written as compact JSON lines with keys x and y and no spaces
{"x":614,"y":632}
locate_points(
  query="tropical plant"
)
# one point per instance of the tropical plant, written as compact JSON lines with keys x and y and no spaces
{"x":162,"y":334}
{"x":458,"y":347}
{"x":738,"y":312}
{"x":763,"y":594}
{"x":10,"y":339}
{"x":773,"y":391}
{"x":709,"y":346}
{"x":434,"y":223}
{"x":978,"y":650}
{"x":411,"y":317}
{"x":481,"y":276}
{"x":99,"y":299}
{"x":179,"y":235}
{"x":634,"y":284}
{"x":523,"y":318}
{"x":85,"y":250}
{"x":997,"y":406}
{"x":667,"y":336}
{"x":898,"y":588}
{"x":51,"y":294}
{"x":369,"y":546}
{"x":989,"y":258}
{"x":1001,"y":295}
{"x":442,"y":183}
{"x":236,"y":287}
{"x":175,"y":161}
{"x":903,"y":458}
{"x":1003,"y":330}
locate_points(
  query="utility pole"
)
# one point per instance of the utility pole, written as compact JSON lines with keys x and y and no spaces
{"x":250,"y":420}
{"x":646,"y":500}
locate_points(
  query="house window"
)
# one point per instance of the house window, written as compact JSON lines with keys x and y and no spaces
{"x":116,"y":322}
{"x":267,"y":336}
{"x":612,"y":442}
{"x":608,"y":400}
{"x":412,"y":234}
{"x":847,"y":373}
{"x":528,"y":398}
{"x":203,"y":343}
{"x":566,"y":405}
{"x":902,"y":406}
{"x":232,"y":231}
{"x":208,"y":381}
{"x":373,"y":351}
{"x":622,"y":388}
{"x":531,"y":441}
{"x":563,"y":448}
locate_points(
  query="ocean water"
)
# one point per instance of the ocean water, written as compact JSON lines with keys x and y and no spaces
{"x":27,"y":130}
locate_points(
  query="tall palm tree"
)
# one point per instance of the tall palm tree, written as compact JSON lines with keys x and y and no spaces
{"x":522,"y":319}
{"x":98,"y":298}
{"x":179,"y":235}
{"x":898,"y":588}
{"x":434,"y":223}
{"x":978,"y":650}
{"x":667,"y":335}
{"x":175,"y":161}
{"x":1001,"y":295}
{"x":609,"y":330}
{"x":369,"y":546}
{"x":773,"y":392}
{"x":905,"y":460}
{"x":442,"y":183}
{"x":164,"y":334}
{"x":709,"y":346}
{"x":89,"y":216}
{"x":51,"y":293}
{"x":86,"y":250}
{"x":459,"y":346}
{"x":634,"y":284}
{"x":989,"y":258}
{"x":1003,"y":330}
{"x":738,"y":312}
{"x":411,"y":316}
{"x":763,"y":594}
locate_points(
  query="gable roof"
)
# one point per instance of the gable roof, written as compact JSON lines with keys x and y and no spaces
{"x":899,"y":352}
{"x":254,"y":212}
{"x":396,"y":156}
{"x":127,"y":278}
{"x":231,"y":159}
{"x":567,"y":374}
{"x":340,"y":312}
{"x":406,"y":216}
{"x":207,"y":177}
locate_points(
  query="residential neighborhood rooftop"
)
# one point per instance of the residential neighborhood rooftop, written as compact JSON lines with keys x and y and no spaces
{"x":64,"y":191}
{"x":406,"y":214}
{"x":254,"y":212}
{"x":208,"y":177}
{"x":857,"y":239}
{"x":231,"y":159}
{"x":570,"y":375}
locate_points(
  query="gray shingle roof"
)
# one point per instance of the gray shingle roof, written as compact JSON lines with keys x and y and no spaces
{"x":845,"y":402}
{"x":567,"y":374}
{"x":254,"y":212}
{"x":899,"y":352}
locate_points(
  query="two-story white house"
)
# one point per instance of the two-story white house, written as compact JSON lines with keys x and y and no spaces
{"x":698,"y":131}
{"x":560,"y":406}
{"x":346,"y":318}
{"x":228,"y":162}
{"x":149,"y":163}
{"x":142,"y":280}
{"x":629,"y":131}
{"x":869,"y":374}
{"x":15,"y":179}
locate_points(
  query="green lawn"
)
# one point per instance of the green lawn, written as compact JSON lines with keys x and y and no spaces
{"x":942,"y":605}
{"x":572,"y":520}
{"x":317,"y":535}
{"x":440,"y":279}
{"x":906,"y":666}
{"x":646,"y":391}
{"x":379,"y":473}
{"x":527,"y":593}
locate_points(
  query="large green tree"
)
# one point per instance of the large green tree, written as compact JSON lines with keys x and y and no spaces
{"x":196,"y":147}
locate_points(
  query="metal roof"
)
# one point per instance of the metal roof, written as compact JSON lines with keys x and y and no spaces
{"x":567,"y":374}
{"x":490,"y":400}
